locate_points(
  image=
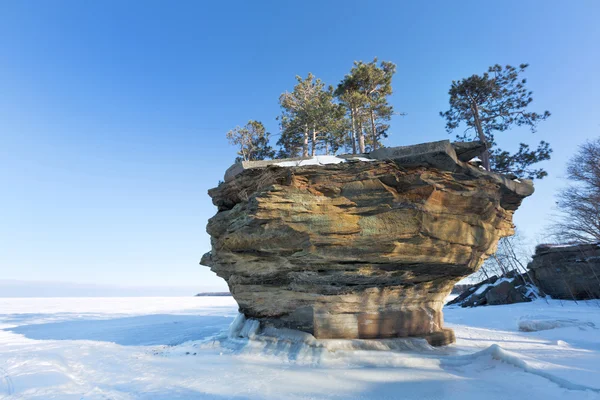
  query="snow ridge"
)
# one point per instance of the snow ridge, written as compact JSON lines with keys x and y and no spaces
{"x":6,"y":381}
{"x":498,"y":353}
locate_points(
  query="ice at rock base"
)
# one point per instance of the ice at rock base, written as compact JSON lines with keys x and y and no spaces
{"x":244,"y":336}
{"x":183,"y":348}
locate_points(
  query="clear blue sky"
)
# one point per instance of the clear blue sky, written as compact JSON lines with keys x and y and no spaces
{"x":113,"y":113}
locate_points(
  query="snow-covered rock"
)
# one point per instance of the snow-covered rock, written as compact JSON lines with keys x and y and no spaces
{"x":514,"y":288}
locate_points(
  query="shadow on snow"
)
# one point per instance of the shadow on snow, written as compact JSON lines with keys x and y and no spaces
{"x":146,"y":330}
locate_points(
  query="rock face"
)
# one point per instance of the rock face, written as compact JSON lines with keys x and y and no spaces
{"x":567,"y":272}
{"x":366,"y":248}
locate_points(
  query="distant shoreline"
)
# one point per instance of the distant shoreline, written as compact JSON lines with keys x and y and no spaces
{"x":213,"y":294}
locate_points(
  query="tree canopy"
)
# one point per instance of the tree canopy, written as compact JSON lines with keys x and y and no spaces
{"x":355,"y":117}
{"x":495,"y":102}
{"x":315,"y":118}
{"x":252,"y":141}
{"x":309,"y":118}
{"x":364,"y":93}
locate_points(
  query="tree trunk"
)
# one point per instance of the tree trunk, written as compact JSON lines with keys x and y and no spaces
{"x":373,"y":130}
{"x":243,"y":151}
{"x":313,"y":150}
{"x":361,"y":138}
{"x":485,"y":156}
{"x":305,"y":143}
{"x":352,"y":116}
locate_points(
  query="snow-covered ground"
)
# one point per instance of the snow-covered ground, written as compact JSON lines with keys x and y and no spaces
{"x":176,"y":348}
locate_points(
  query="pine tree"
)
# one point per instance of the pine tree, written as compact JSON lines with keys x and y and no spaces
{"x":364,"y":92}
{"x":495,"y":102}
{"x":348,"y":95}
{"x":309,"y":119}
{"x":252,"y":140}
{"x":336,"y":127}
{"x":290,"y":141}
{"x":375,"y":84}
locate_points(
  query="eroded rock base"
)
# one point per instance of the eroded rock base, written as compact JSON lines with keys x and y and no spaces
{"x":385,"y":324}
{"x":261,"y":331}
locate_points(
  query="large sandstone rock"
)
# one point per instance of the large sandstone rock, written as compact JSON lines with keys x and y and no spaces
{"x":567,"y":272}
{"x":360,"y":249}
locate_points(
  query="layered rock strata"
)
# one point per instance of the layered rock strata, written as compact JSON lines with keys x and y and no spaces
{"x":365,"y":248}
{"x":570,"y":272}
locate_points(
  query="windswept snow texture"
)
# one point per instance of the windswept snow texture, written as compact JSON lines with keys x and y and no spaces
{"x":182,"y":348}
{"x":542,"y":323}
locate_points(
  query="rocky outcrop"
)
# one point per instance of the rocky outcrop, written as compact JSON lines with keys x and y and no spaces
{"x":570,"y":272}
{"x":365,"y":247}
{"x":509,"y":289}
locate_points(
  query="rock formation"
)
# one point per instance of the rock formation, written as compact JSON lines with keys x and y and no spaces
{"x":365,"y":248}
{"x":567,"y":272}
{"x":510,"y":289}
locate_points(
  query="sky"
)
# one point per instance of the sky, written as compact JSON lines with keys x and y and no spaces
{"x":113,"y":114}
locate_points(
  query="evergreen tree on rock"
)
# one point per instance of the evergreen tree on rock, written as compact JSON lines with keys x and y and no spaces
{"x":364,"y":92}
{"x":252,"y":140}
{"x":309,"y":119}
{"x":495,"y":102}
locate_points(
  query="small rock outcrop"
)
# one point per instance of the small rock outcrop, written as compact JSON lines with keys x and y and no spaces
{"x":568,"y":272}
{"x":363,"y":247}
{"x":510,"y":289}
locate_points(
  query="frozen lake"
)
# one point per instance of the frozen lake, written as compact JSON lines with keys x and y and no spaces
{"x":176,"y":348}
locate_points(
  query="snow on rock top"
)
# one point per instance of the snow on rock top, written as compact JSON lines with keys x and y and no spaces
{"x":319,"y":160}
